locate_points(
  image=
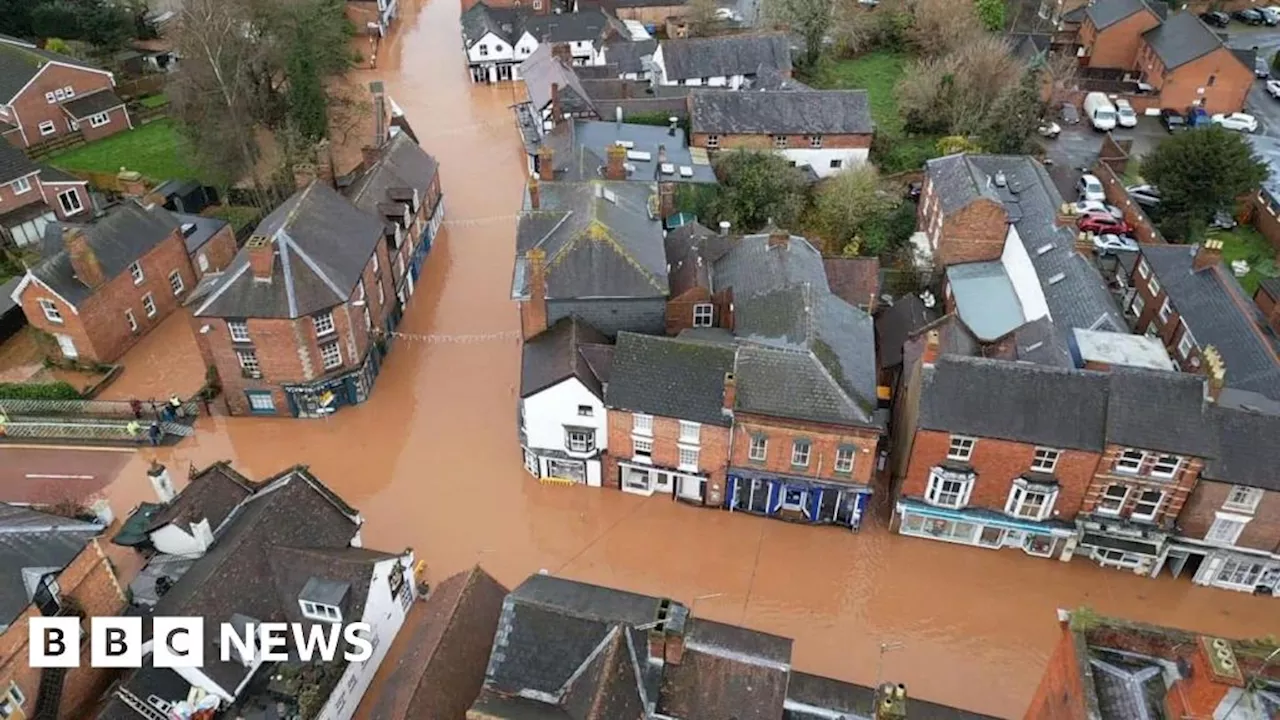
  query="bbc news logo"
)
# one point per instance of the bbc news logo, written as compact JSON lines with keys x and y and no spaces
{"x":178,"y":642}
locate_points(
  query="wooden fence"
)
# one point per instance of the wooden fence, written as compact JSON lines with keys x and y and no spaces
{"x":40,"y":150}
{"x":137,"y":87}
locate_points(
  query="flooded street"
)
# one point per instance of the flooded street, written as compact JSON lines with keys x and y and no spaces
{"x":433,"y":463}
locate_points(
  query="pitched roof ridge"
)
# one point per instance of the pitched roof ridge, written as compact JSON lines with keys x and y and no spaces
{"x":844,"y":394}
{"x":616,"y":641}
{"x":608,"y":239}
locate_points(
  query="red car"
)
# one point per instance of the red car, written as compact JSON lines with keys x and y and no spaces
{"x":1103,"y":223}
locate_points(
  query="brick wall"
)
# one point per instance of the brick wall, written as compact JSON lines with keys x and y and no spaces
{"x":218,"y":251}
{"x":824,"y":441}
{"x":680,"y":309}
{"x":118,"y":122}
{"x":1170,"y":330}
{"x":1265,"y":220}
{"x":51,"y":191}
{"x":1144,"y":231}
{"x":1261,"y":533}
{"x":997,"y":464}
{"x":91,"y":582}
{"x":1060,"y":694}
{"x":1231,"y":83}
{"x":765,"y":141}
{"x":713,"y":452}
{"x":1117,"y":45}
{"x":971,"y":234}
{"x":1269,"y":305}
{"x":1176,"y":489}
{"x":32,"y":107}
{"x":10,"y":201}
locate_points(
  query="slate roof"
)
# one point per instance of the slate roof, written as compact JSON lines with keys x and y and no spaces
{"x":480,"y":19}
{"x":628,"y":56}
{"x":83,"y":107}
{"x":580,"y":152}
{"x":781,"y":112}
{"x":1272,"y":286}
{"x":289,"y":531}
{"x":32,"y":545}
{"x":510,"y":24}
{"x":125,"y":234}
{"x":712,"y":681}
{"x":725,"y":56}
{"x":691,"y":250}
{"x":14,"y":163}
{"x":1158,"y":410}
{"x":209,"y":495}
{"x":751,"y":266}
{"x":670,"y":377}
{"x":599,"y":238}
{"x":556,"y":354}
{"x":322,"y":245}
{"x":854,"y":280}
{"x":401,"y":165}
{"x":1105,"y":13}
{"x":894,"y":324}
{"x":813,"y":697}
{"x":1219,"y":313}
{"x":50,"y":174}
{"x":806,"y":355}
{"x":1248,"y":453}
{"x":1182,"y":38}
{"x":541,"y":70}
{"x":443,"y":651}
{"x":21,"y":60}
{"x":198,"y":229}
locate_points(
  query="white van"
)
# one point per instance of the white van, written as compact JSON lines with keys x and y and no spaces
{"x":1100,"y":111}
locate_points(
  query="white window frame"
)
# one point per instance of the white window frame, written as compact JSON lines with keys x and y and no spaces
{"x":248,"y":359}
{"x":961,"y":448}
{"x":1045,"y":460}
{"x":376,"y":265}
{"x":47,"y":128}
{"x":642,"y":449}
{"x":69,"y":91}
{"x":323,"y":323}
{"x":1125,"y":459}
{"x":1243,"y":499}
{"x":133,"y":321}
{"x":320,"y":612}
{"x":1155,"y":510}
{"x":1153,"y":285}
{"x":642,"y":424}
{"x":1186,"y":343}
{"x":1016,"y":504}
{"x":687,"y":457}
{"x":333,"y":359}
{"x":704,"y":315}
{"x":780,"y":142}
{"x":51,"y":312}
{"x":100,"y":119}
{"x":758,"y":448}
{"x":801,"y":450}
{"x":62,"y":202}
{"x":135,"y":271}
{"x":584,"y":444}
{"x":936,"y":489}
{"x":1165,"y":311}
{"x":1138,"y":304}
{"x":238,"y":330}
{"x":256,"y":397}
{"x":382,"y":293}
{"x":1161,"y":461}
{"x":1235,"y":564}
{"x":175,"y":282}
{"x":51,"y":97}
{"x":1144,"y":269}
{"x":690,"y":432}
{"x":815,"y":141}
{"x":1226,"y":529}
{"x":1104,"y":498}
{"x":20,"y":186}
{"x":844,"y":459}
{"x":149,"y":305}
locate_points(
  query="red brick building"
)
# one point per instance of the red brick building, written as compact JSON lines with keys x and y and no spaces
{"x":1112,"y":32}
{"x":968,"y":227}
{"x":669,"y":405}
{"x":32,"y":196}
{"x":114,"y":279}
{"x":75,"y":578}
{"x":45,"y":95}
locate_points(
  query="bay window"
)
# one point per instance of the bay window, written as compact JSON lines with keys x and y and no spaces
{"x":1030,"y":501}
{"x":948,"y":489}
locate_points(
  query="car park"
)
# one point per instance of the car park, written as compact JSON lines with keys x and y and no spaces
{"x":1242,"y":122}
{"x":1103,"y":223}
{"x":1216,"y":19}
{"x":1089,"y":187}
{"x":1100,"y":111}
{"x":1109,"y":243}
{"x":1125,"y":116}
{"x":1173,"y":120}
{"x":1085,"y":207}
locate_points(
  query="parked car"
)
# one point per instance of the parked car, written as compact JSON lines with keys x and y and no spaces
{"x":1144,"y":195}
{"x":1089,"y":187}
{"x":1100,"y":111}
{"x":1173,"y":120}
{"x":1248,"y":16}
{"x":1103,"y":223}
{"x":1125,"y":116}
{"x":913,"y":191}
{"x":1261,"y":68}
{"x":1270,"y":15}
{"x":1086,"y":207}
{"x":1273,"y":88}
{"x":727,"y":15}
{"x":1215,"y":19}
{"x":1070,"y":115}
{"x":1242,"y":122}
{"x":1108,"y":244}
{"x":1049,"y":129}
{"x":1222,"y":220}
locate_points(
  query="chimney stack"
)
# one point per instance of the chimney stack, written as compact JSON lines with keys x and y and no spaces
{"x":546,"y":163}
{"x":131,"y":184}
{"x":262,"y":257}
{"x":1207,"y":255}
{"x":535,"y":194}
{"x":662,"y":154}
{"x":730,"y":393}
{"x":561,"y":51}
{"x":161,"y":483}
{"x":778,"y":238}
{"x":84,"y":262}
{"x":303,"y":175}
{"x":556,"y":115}
{"x":533,"y":312}
{"x":724,"y":227}
{"x":666,"y":200}
{"x":1216,"y":370}
{"x":932,"y":349}
{"x":616,"y":167}
{"x":324,"y":164}
{"x":379,"y":113}
{"x":891,"y":702}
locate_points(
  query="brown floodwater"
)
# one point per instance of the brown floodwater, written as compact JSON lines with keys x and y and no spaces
{"x":433,"y":463}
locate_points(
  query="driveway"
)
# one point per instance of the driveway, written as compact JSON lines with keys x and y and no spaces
{"x":1077,"y":148}
{"x":1259,"y":104}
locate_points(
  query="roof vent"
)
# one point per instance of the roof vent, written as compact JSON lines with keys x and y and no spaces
{"x":1001,"y":180}
{"x":629,"y":168}
{"x":668,"y":169}
{"x":188,"y":229}
{"x":639,"y":155}
{"x":610,"y":196}
{"x":625,"y":143}
{"x":1055,"y":279}
{"x":686,"y":171}
{"x":1044,"y":249}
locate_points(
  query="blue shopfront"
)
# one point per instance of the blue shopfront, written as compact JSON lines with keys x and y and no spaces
{"x":323,"y":397}
{"x":795,"y":498}
{"x":983,"y":528}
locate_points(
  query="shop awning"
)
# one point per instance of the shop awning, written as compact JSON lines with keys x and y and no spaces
{"x":1121,"y":544}
{"x":134,"y":530}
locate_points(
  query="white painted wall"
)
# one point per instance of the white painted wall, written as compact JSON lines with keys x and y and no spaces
{"x":820,"y":158}
{"x":173,"y":540}
{"x":496,"y":48}
{"x":1026,"y":282}
{"x":385,"y":615}
{"x":525,"y":46}
{"x":546,"y":414}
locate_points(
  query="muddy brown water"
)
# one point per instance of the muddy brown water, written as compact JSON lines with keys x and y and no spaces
{"x":432,"y":462}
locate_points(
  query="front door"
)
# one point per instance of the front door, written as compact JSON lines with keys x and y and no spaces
{"x":504,"y":72}
{"x":664,"y":482}
{"x":67,"y":346}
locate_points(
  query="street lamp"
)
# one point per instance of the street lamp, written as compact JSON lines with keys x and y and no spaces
{"x":885,"y":647}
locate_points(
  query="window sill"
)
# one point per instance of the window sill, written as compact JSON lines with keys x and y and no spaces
{"x":642,"y":460}
{"x":799,"y":467}
{"x":688,"y":468}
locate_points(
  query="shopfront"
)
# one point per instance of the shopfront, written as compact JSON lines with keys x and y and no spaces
{"x":982,"y":528}
{"x":554,"y":466}
{"x":640,"y":479}
{"x":1143,"y":555}
{"x":1257,"y":573}
{"x":324,"y":397}
{"x":796,"y":499}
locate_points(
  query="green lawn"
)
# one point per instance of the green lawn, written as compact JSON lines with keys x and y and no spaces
{"x":154,"y":101}
{"x":875,"y":72}
{"x":155,"y":150}
{"x":1245,"y":243}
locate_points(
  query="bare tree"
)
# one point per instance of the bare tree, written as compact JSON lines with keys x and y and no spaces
{"x":955,"y":92}
{"x":810,"y":19}
{"x":942,"y":26}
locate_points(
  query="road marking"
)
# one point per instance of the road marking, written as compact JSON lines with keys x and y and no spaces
{"x":36,"y":476}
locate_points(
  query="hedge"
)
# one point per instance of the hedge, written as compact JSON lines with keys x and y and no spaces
{"x":38,"y":391}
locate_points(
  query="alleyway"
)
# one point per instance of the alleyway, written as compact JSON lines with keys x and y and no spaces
{"x":432,"y":462}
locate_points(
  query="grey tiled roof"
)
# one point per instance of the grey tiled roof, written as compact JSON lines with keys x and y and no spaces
{"x":1040,"y":342}
{"x":628,"y":56}
{"x":813,"y":697}
{"x":781,"y":112}
{"x":670,"y":377}
{"x":1248,"y":453}
{"x":599,"y":239}
{"x":20,"y":61}
{"x":725,"y":56}
{"x":1105,"y":13}
{"x":33,"y":544}
{"x":402,"y":164}
{"x":958,"y":182}
{"x":510,"y":24}
{"x":541,"y":70}
{"x":1182,"y":38}
{"x":807,"y":355}
{"x":125,"y":234}
{"x":14,"y":163}
{"x":480,"y":19}
{"x":1158,"y":410}
{"x":751,"y":266}
{"x":1219,"y":313}
{"x":556,"y":354}
{"x":322,"y":246}
{"x":1272,"y":286}
{"x":84,"y":107}
{"x":580,"y":150}
{"x":198,"y":229}
{"x":50,"y":174}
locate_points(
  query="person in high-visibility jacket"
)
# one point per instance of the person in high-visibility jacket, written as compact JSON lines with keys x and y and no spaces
{"x":133,"y":428}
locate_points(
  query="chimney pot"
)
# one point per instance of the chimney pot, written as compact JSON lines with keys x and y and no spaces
{"x":616,"y":167}
{"x":1208,"y":254}
{"x":724,"y":227}
{"x":535,"y":194}
{"x":84,"y":261}
{"x":262,"y":256}
{"x":932,"y":342}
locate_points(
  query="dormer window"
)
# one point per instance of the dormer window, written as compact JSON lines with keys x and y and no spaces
{"x":319,"y":612}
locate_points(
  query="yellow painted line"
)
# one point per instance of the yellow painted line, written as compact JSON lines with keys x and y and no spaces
{"x":89,"y":448}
